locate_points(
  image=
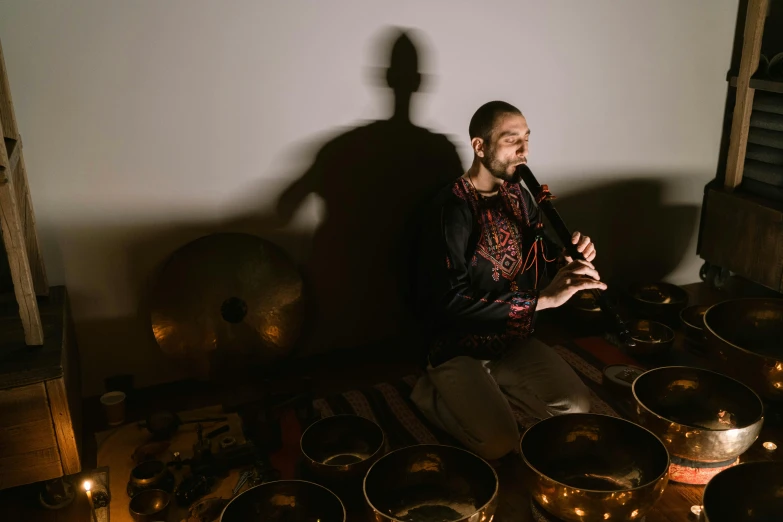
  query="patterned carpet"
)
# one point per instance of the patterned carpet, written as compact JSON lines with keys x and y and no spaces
{"x":389,"y":405}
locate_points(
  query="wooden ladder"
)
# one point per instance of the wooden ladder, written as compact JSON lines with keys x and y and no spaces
{"x":20,"y":237}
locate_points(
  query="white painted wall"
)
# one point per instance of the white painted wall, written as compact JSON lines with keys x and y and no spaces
{"x":148,"y":123}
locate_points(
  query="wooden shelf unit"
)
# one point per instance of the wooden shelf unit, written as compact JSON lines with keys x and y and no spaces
{"x":739,"y":232}
{"x":40,"y":386}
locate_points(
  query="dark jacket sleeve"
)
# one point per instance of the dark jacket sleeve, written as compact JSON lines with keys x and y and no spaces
{"x":454,"y":303}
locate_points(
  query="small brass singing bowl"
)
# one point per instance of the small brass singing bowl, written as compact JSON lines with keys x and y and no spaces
{"x":749,"y":492}
{"x":587,"y":467}
{"x":659,"y":301}
{"x":692,"y":318}
{"x":342,"y":446}
{"x":584,"y":307}
{"x":150,"y":505}
{"x":659,"y":296}
{"x":698,"y":414}
{"x":285,"y":501}
{"x":431,"y":482}
{"x":652,"y":338}
{"x":746,"y":337}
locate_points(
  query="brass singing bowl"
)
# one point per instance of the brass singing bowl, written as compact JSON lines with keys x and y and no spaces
{"x":430,"y":482}
{"x":150,"y":505}
{"x":746,"y":336}
{"x":342,"y":446}
{"x":699,"y":415}
{"x":651,"y":337}
{"x":584,"y":308}
{"x":148,"y":473}
{"x":590,"y":467}
{"x":285,"y":501}
{"x":749,"y":492}
{"x":692,"y":318}
{"x":658,"y":297}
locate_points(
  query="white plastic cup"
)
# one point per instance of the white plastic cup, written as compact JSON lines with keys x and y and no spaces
{"x":114,"y":407}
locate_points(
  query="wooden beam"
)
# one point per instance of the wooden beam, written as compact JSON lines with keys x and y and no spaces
{"x":13,"y":149}
{"x":16,"y":250}
{"x":740,"y":125}
{"x":16,"y":171}
{"x":30,"y":231}
{"x":63,"y":427}
{"x":7,"y":116}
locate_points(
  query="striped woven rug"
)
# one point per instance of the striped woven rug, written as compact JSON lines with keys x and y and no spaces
{"x":389,"y":404}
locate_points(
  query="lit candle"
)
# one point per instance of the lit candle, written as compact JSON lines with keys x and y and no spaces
{"x":88,"y":488}
{"x":770,"y":446}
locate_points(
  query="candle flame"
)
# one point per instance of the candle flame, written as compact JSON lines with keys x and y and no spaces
{"x":87,"y":485}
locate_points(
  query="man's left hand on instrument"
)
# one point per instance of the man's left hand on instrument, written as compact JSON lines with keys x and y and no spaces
{"x":584,"y":245}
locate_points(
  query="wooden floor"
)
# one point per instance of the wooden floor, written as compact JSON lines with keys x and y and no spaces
{"x":20,"y":504}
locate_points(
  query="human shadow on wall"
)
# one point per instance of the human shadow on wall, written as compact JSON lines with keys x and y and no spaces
{"x":373,"y":181}
{"x":638,"y":236}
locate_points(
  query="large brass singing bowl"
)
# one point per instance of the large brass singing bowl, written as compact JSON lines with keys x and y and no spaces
{"x":699,"y":415}
{"x":285,"y":501}
{"x":433,"y":483}
{"x":342,"y":446}
{"x":750,"y":492}
{"x":746,"y":335}
{"x":587,"y":467}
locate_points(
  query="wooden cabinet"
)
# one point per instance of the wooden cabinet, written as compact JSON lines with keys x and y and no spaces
{"x":744,"y":234}
{"x":40,"y":399}
{"x":741,"y":228}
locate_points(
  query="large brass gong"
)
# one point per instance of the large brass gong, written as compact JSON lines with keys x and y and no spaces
{"x":232,"y":292}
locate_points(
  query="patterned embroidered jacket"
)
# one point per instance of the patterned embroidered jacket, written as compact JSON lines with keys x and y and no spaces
{"x":480,"y":259}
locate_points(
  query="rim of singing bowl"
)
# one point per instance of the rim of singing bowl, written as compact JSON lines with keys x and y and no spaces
{"x":331,"y":418}
{"x":726,"y":475}
{"x":746,"y":425}
{"x":723,"y":339}
{"x":136,"y":511}
{"x":676,"y":292}
{"x":345,"y":513}
{"x":647,"y":484}
{"x":685,"y":316}
{"x":633,"y":325}
{"x":492,"y":498}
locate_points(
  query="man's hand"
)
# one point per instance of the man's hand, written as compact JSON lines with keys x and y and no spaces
{"x":583,"y":245}
{"x":575,"y":276}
